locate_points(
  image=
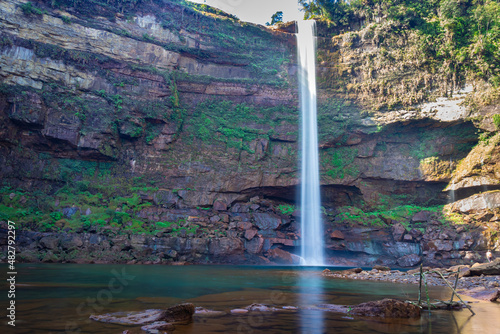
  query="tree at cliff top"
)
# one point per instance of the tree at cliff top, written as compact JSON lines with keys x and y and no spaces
{"x":276,"y":18}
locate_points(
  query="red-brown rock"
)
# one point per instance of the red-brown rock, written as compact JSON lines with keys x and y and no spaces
{"x":244,"y":225}
{"x":220,"y":206}
{"x":249,"y":234}
{"x":337,"y":235}
{"x":280,"y":256}
{"x":255,"y":245}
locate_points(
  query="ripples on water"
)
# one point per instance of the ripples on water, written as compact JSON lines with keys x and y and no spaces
{"x":54,"y":298}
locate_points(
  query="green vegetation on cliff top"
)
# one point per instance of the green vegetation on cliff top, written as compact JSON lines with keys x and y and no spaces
{"x":422,"y":47}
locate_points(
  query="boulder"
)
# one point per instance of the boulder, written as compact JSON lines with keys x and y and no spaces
{"x":214,"y":219}
{"x":266,"y":221}
{"x":182,"y":314}
{"x":165,"y":198}
{"x":460,"y":268}
{"x":478,"y":202}
{"x":70,"y":243}
{"x":421,"y":216}
{"x":397,"y":231}
{"x":337,"y":235}
{"x":244,"y":225}
{"x":386,"y":308}
{"x":255,"y":245}
{"x":280,"y":256}
{"x":49,"y":242}
{"x":492,"y":268}
{"x":407,"y":237}
{"x":220,"y":206}
{"x":409,"y":260}
{"x":250,"y":234}
{"x":297,"y":259}
{"x":439,"y":245}
{"x":225,"y":246}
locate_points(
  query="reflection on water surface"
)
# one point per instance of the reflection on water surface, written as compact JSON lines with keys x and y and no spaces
{"x":54,"y":298}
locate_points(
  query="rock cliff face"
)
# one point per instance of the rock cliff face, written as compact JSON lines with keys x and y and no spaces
{"x":182,"y":125}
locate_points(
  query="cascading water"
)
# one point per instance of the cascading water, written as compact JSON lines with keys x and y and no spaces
{"x":311,"y":224}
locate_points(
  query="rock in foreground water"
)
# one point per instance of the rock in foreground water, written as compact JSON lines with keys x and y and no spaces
{"x":387,"y":308}
{"x":178,"y":314}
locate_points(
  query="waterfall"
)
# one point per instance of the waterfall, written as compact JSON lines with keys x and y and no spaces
{"x":311,"y":224}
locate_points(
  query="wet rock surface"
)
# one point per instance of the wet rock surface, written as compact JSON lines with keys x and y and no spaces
{"x":386,"y":308}
{"x":484,"y":287}
{"x":482,"y":269}
{"x":153,"y":319}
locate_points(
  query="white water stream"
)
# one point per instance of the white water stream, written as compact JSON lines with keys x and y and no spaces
{"x":310,"y":201}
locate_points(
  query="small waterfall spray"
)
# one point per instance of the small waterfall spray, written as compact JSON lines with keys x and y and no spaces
{"x":311,"y":224}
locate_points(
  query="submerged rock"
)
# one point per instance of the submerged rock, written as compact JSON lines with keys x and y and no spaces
{"x":133,"y":318}
{"x":261,"y":308}
{"x":387,"y":308}
{"x":484,"y":293}
{"x":158,"y":325}
{"x":200,"y":311}
{"x":182,"y":314}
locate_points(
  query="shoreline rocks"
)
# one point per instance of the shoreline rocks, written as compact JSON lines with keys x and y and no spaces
{"x":483,"y":287}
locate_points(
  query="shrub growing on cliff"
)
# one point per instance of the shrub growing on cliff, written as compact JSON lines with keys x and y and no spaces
{"x":286,"y":209}
{"x":496,"y":121}
{"x":66,"y":19}
{"x":29,"y":9}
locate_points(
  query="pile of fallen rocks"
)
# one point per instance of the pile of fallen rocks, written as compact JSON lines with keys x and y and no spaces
{"x":481,"y":280}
